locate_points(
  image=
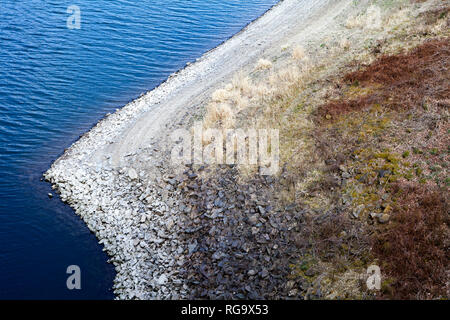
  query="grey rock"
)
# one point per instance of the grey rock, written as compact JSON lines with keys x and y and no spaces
{"x":253,"y":219}
{"x":357,"y":211}
{"x":162,"y":280}
{"x":132,"y":174}
{"x":218,"y":255}
{"x":261,"y":210}
{"x":384,"y":218}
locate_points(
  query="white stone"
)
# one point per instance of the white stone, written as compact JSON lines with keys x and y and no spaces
{"x":162,"y":280}
{"x":132,"y":174}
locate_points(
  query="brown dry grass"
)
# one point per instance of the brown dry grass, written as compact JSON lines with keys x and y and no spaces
{"x":401,"y":102}
{"x":414,"y":249}
{"x":366,"y":121}
{"x":391,"y":116}
{"x":406,"y":79}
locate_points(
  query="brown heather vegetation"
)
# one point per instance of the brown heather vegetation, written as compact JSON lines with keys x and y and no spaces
{"x":414,"y":249}
{"x":412,"y":91}
{"x":406,"y":79}
{"x":371,"y":144}
{"x":385,"y":126}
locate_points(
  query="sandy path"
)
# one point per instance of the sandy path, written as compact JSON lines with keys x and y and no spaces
{"x":291,"y":21}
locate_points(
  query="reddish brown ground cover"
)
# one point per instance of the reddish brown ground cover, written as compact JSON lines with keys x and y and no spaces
{"x":414,"y":248}
{"x":405,"y":79}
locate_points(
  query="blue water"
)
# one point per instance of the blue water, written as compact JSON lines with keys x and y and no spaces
{"x":55,"y":83}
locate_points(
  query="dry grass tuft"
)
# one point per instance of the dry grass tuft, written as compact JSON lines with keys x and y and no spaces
{"x":242,"y":84}
{"x":220,"y":95}
{"x":371,"y":19}
{"x":263,"y":64}
{"x":298,"y":53}
{"x":398,"y":18}
{"x":345,"y":44}
{"x":220,"y":114}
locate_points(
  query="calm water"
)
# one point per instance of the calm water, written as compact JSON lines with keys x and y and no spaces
{"x":55,"y":83}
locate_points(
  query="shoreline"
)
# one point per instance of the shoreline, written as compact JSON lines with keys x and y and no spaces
{"x":116,"y":175}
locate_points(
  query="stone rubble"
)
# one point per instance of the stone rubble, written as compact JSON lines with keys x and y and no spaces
{"x":184,"y":236}
{"x":137,"y":229}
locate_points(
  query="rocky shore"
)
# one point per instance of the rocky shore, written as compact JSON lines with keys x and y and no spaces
{"x":117,"y":181}
{"x":178,"y":232}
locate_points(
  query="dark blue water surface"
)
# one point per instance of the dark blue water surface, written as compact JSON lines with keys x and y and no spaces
{"x":55,"y":83}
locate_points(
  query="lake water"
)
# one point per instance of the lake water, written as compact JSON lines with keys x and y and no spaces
{"x":55,"y":84}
